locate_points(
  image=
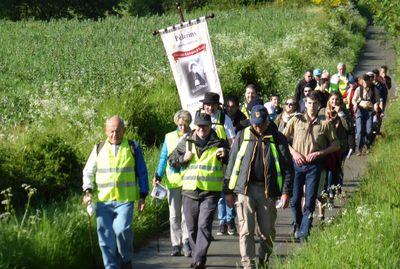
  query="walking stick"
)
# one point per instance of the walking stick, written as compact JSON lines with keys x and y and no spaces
{"x":157,"y":219}
{"x":90,"y":212}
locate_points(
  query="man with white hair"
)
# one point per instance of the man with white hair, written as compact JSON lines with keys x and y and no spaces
{"x":116,"y":173}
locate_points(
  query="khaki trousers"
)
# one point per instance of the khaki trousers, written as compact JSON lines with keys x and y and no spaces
{"x":251,"y":208}
{"x":177,"y":222}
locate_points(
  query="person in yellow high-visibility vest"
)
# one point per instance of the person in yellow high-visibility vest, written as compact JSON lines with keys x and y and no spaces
{"x":117,"y":175}
{"x":260,"y":171}
{"x":173,"y":182}
{"x":249,"y":95}
{"x":202,"y":154}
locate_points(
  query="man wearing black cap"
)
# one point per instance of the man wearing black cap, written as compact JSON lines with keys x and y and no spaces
{"x":202,"y":154}
{"x":259,"y":171}
{"x":221,"y":123}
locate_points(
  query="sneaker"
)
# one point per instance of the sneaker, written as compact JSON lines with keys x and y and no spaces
{"x":222,"y":229}
{"x":176,"y":251}
{"x":231,"y":227}
{"x":187,"y":251}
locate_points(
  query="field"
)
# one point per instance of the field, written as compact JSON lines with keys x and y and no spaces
{"x":59,"y":80}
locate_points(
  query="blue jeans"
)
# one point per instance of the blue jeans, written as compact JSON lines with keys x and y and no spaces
{"x":364,"y":121}
{"x":114,"y":230}
{"x":225,"y":213}
{"x":309,"y":176}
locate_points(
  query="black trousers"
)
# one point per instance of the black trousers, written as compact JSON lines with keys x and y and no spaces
{"x":199,"y":215}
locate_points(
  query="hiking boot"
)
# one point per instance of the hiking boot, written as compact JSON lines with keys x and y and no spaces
{"x":296,"y":233}
{"x":187,"y":251}
{"x":222,"y":229}
{"x":231,"y":227}
{"x":176,"y":251}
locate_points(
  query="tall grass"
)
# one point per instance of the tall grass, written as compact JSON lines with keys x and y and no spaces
{"x":366,"y":234}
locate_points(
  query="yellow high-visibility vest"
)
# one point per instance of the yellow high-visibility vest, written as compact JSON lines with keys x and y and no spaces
{"x":242,"y":152}
{"x":115,"y":175}
{"x":244,"y":111}
{"x":219,"y":126}
{"x":174,"y":176}
{"x":205,"y":172}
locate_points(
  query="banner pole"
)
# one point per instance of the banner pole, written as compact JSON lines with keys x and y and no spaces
{"x":178,"y":6}
{"x":211,"y":16}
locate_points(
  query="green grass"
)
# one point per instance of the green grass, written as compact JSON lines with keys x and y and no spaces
{"x":367,"y":231}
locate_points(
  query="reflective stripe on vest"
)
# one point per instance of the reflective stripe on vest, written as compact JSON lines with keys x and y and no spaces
{"x":115,"y":175}
{"x":219,"y":126}
{"x":174,"y":176}
{"x":242,"y":152}
{"x":205,"y":172}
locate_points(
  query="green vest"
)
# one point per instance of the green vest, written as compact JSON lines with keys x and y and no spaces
{"x":219,"y":126}
{"x":174,"y":176}
{"x":242,"y":152}
{"x":115,"y":175}
{"x":205,"y":172}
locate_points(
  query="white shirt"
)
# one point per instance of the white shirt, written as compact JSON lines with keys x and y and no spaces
{"x":228,"y":125}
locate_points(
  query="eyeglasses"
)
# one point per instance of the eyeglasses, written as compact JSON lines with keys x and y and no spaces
{"x":289,"y":104}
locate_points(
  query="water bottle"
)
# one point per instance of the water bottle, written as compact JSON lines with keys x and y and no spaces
{"x":90,"y":209}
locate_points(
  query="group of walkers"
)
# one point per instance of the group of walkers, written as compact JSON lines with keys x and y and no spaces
{"x":240,"y":160}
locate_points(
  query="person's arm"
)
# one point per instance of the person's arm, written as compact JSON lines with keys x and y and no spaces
{"x":334,"y":144}
{"x":232,"y":158}
{"x":162,"y":163}
{"x":229,"y":130}
{"x":355,"y":101}
{"x":141,"y":172}
{"x":287,"y":170}
{"x":89,"y":171}
{"x":177,"y":158}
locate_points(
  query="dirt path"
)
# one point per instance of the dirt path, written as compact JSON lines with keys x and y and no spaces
{"x":224,"y":251}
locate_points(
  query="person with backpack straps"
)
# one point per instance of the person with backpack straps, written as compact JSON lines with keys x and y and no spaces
{"x":365,"y":101}
{"x":116,"y":175}
{"x":259,"y":171}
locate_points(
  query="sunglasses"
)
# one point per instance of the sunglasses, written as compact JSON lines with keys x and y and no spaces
{"x":289,"y":104}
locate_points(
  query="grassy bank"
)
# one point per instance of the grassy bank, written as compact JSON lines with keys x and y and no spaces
{"x":367,"y":231}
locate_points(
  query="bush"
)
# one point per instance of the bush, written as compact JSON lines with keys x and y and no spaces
{"x":44,"y":161}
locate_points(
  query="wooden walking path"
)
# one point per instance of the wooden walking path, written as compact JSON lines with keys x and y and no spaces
{"x":224,"y":250}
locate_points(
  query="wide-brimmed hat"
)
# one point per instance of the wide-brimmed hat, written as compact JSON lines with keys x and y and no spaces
{"x":211,"y":98}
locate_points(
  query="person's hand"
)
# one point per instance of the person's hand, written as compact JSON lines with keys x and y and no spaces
{"x":188,"y":156}
{"x":87,"y":198}
{"x":299,"y":158}
{"x":230,"y":200}
{"x":155,"y":181}
{"x":141,"y":205}
{"x":313,"y":156}
{"x":221,"y":152}
{"x":285,"y":200}
{"x":337,"y":109}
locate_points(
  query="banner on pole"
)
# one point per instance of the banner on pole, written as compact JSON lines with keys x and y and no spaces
{"x":190,"y":55}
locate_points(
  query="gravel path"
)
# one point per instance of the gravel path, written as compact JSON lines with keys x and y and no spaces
{"x":224,"y":251}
